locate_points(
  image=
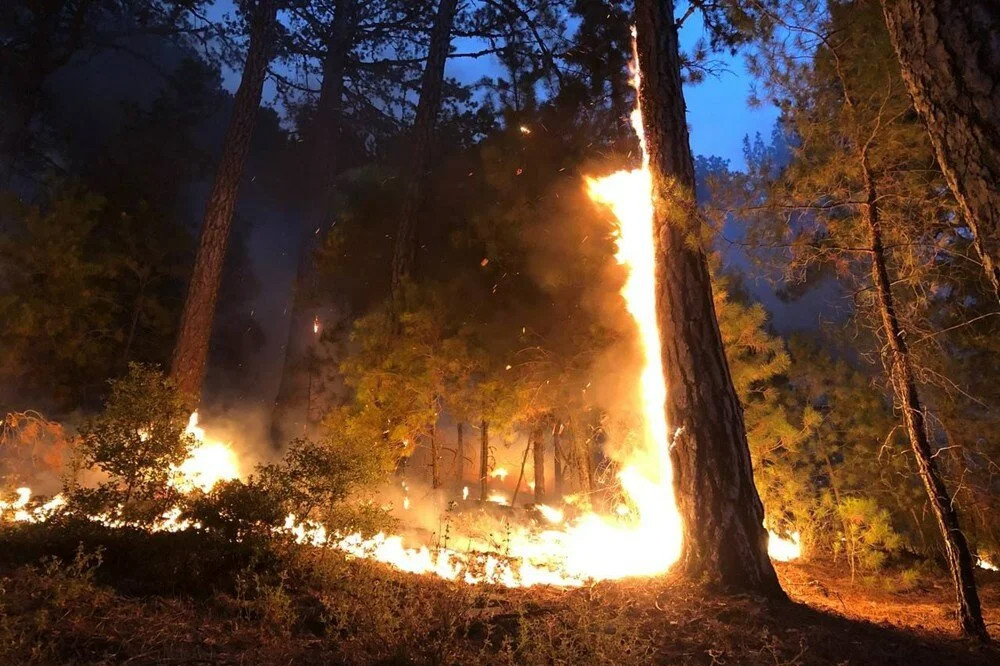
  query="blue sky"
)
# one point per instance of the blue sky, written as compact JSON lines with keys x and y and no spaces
{"x":718,"y":113}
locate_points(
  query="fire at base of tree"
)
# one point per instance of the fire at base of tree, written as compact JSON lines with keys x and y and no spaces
{"x":471,"y":360}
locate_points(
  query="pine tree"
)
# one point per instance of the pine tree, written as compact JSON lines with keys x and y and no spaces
{"x":190,"y":355}
{"x":725,"y":541}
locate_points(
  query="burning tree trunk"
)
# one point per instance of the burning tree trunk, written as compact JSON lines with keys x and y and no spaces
{"x":956,"y":549}
{"x":460,"y":454}
{"x":328,"y":126}
{"x":404,"y":251}
{"x":538,"y":462}
{"x":484,"y":460}
{"x":725,"y":542}
{"x":950,"y":58}
{"x":191,"y":351}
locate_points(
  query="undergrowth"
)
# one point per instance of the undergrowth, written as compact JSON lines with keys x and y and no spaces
{"x":88,"y":594}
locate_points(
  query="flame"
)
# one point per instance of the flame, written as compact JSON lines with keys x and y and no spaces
{"x":987,"y":565}
{"x":551,"y":514}
{"x":499,"y":473}
{"x":497,"y":498}
{"x":209,"y":462}
{"x":465,"y":492}
{"x":784,"y":550}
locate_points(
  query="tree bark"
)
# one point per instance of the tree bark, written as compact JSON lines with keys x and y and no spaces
{"x":725,"y":543}
{"x":484,"y":460}
{"x":557,"y":471}
{"x":950,"y":58}
{"x":956,"y":549}
{"x":286,"y":418}
{"x":431,"y":86}
{"x":460,"y":454}
{"x":435,"y":460}
{"x":191,"y":351}
{"x":538,"y":463}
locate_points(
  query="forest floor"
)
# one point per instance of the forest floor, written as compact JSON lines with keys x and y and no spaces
{"x":111,"y":597}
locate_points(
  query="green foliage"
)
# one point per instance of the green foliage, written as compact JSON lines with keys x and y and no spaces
{"x":848,"y":124}
{"x":237,"y":509}
{"x":136,"y":441}
{"x":55,"y":308}
{"x":327,"y":482}
{"x":868,"y":537}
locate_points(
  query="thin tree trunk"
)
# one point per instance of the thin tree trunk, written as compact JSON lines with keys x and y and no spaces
{"x":435,"y":460}
{"x":950,"y":58}
{"x":328,"y":128}
{"x":956,"y":549}
{"x":557,"y":462}
{"x":136,"y":311}
{"x":586,"y":465}
{"x":460,"y":454}
{"x":538,"y":463}
{"x":524,"y":461}
{"x":191,"y":351}
{"x":484,"y":460}
{"x":431,"y":85}
{"x":725,"y":543}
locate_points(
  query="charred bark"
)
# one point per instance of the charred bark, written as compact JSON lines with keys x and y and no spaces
{"x":191,"y":351}
{"x":725,"y":543}
{"x":431,"y":86}
{"x":950,"y":59}
{"x":956,"y":549}
{"x":484,"y":460}
{"x":328,"y":124}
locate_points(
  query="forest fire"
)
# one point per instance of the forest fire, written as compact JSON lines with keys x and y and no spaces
{"x":641,"y":537}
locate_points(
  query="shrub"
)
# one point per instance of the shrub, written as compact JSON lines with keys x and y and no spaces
{"x":315,"y":478}
{"x":135,"y":441}
{"x":237,"y":509}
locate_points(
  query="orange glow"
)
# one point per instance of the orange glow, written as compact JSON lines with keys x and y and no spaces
{"x":209,"y":462}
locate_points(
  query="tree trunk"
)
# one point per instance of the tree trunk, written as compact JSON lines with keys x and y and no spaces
{"x":431,"y":85}
{"x":460,"y":454}
{"x":557,"y":472}
{"x":191,"y":351}
{"x":956,"y":549}
{"x":287,"y":419}
{"x":538,"y":463}
{"x":484,"y":461}
{"x":435,"y":460}
{"x":725,"y":543}
{"x":950,"y":58}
